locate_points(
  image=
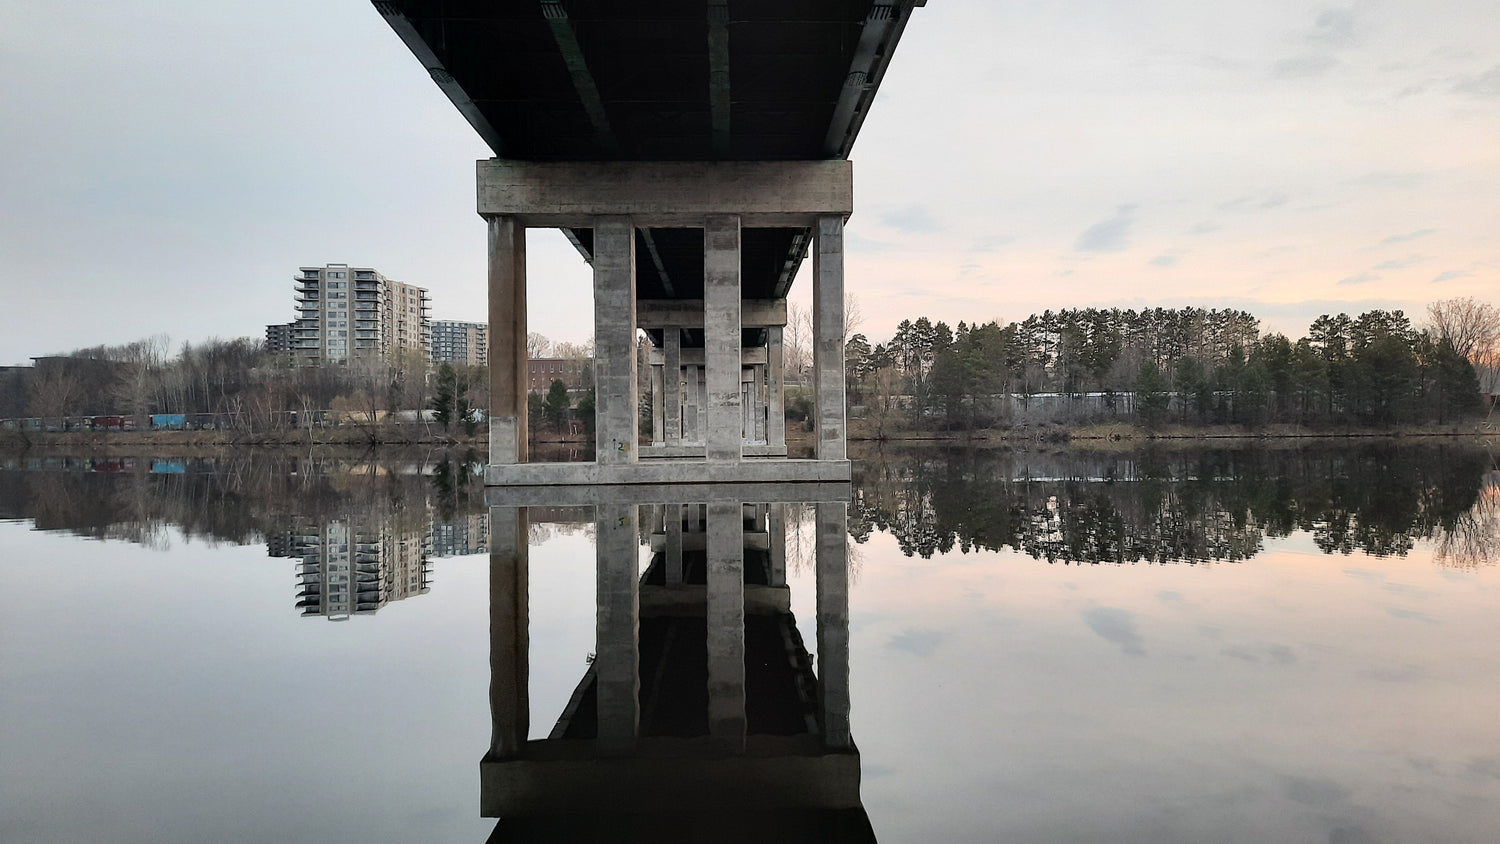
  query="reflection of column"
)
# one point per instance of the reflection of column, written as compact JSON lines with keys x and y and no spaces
{"x":722,"y":336}
{"x":726,"y":624}
{"x":777,"y":538}
{"x":828,"y":338}
{"x":507,"y":340}
{"x":775,"y":388}
{"x":833,"y":623}
{"x":672,"y":554}
{"x":616,"y":653}
{"x":510,"y":712}
{"x":672,"y":384}
{"x":617,"y":421}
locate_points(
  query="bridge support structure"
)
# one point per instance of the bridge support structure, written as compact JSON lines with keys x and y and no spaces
{"x":720,"y":416}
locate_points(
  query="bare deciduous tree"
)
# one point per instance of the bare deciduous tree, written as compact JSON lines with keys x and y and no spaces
{"x":1473,"y":327}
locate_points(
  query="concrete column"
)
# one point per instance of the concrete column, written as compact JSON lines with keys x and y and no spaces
{"x":507,"y":343}
{"x":828,"y":338}
{"x":672,"y":382}
{"x":672,"y":554}
{"x":692,"y":417}
{"x":658,"y":426}
{"x":510,"y":711}
{"x":726,"y":624}
{"x":702,"y":399}
{"x":721,"y":336}
{"x":775,"y":387}
{"x":832,"y":575}
{"x":758,"y":403}
{"x":616,"y":647}
{"x":776,"y":538}
{"x":617,"y":424}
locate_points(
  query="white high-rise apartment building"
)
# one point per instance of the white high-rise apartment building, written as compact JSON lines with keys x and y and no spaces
{"x":345,"y":313}
{"x":460,"y":342}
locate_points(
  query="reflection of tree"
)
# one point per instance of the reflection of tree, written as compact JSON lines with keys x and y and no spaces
{"x":1159,"y":507}
{"x":1474,"y":538}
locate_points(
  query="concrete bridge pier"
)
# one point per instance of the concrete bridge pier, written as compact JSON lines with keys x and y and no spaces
{"x":721,"y":410}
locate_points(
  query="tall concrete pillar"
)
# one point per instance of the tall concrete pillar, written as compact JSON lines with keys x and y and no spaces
{"x":507,"y":343}
{"x":658,"y":426}
{"x":726,"y":624}
{"x":692,"y":415}
{"x":721,"y":336}
{"x":775,"y":387}
{"x":616,"y":421}
{"x":616,"y":648}
{"x":832,"y":576}
{"x":672,"y":384}
{"x":828,"y":338}
{"x":758,"y":402}
{"x":510,"y":712}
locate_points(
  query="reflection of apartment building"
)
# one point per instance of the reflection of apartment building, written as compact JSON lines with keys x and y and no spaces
{"x":349,"y":567}
{"x":346,"y":313}
{"x":465,"y":343}
{"x":464,"y":535}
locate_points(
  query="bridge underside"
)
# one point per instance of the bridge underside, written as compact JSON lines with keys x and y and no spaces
{"x":667,"y":102}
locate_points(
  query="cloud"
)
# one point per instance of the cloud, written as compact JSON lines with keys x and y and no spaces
{"x":1401,"y":263}
{"x":1117,"y":626}
{"x":991,"y":244}
{"x":918,"y":642}
{"x":1168,"y":259}
{"x":1108,"y":235}
{"x":1335,"y":27}
{"x":1398,"y":612}
{"x":1449,"y":275}
{"x":912,"y":218}
{"x":1359,"y":279}
{"x":1205,"y":227}
{"x":1407,"y":238}
{"x":1486,"y":84}
{"x":1304,"y":66}
{"x":1254,"y":202}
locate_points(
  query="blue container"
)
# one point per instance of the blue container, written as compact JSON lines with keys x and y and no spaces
{"x":168,"y":421}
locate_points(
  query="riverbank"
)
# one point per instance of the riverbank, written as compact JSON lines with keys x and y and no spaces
{"x":173,"y":442}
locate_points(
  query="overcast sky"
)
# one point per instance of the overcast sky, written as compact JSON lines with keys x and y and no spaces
{"x":169,"y":164}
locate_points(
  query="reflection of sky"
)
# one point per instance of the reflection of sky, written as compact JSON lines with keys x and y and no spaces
{"x":176,"y":695}
{"x":1294,"y":697}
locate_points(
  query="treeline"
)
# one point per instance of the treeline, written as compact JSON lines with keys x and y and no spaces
{"x":1181,"y":365}
{"x":235,"y":378}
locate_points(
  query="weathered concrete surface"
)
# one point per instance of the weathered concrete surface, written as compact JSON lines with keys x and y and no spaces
{"x":695,"y":495}
{"x":828,"y":339}
{"x":507,"y":339}
{"x":617,"y":422}
{"x":665,"y":193}
{"x":721,"y":336}
{"x":775,"y":389}
{"x":672,"y":386}
{"x":696,"y":451}
{"x":695,"y":357}
{"x":688,"y":313}
{"x":668,"y":472}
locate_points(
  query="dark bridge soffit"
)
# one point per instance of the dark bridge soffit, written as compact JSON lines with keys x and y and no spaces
{"x":665,"y":80}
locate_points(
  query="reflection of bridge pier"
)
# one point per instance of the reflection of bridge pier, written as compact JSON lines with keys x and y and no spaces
{"x":700,"y":717}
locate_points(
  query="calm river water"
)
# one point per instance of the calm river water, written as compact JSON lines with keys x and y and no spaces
{"x":1244,"y":645}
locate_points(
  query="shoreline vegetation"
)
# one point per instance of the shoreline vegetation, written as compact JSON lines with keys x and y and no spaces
{"x":577,"y":447}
